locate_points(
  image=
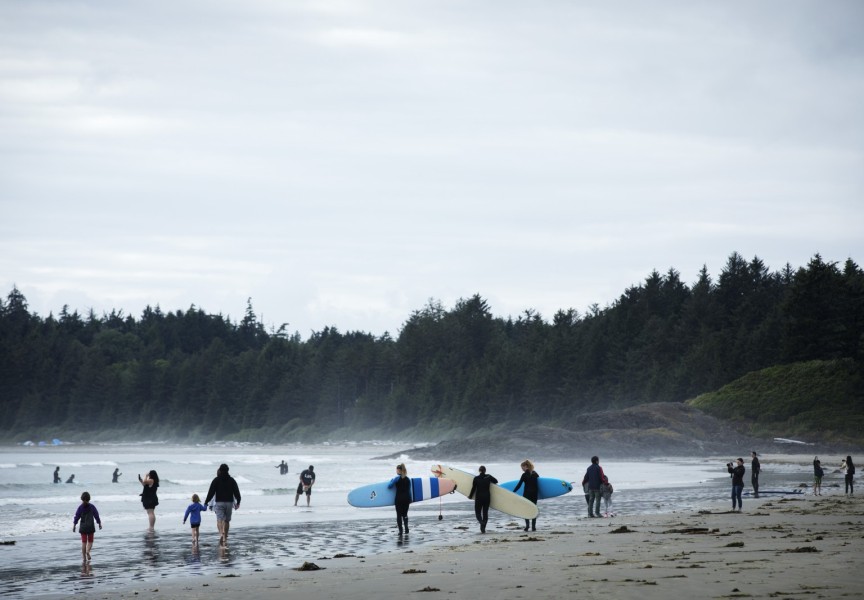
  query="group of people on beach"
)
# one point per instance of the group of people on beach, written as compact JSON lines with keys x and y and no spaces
{"x":737,"y":472}
{"x":595,"y":483}
{"x":223,"y":497}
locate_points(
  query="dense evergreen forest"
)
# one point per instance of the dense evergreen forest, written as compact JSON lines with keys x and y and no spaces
{"x":201,"y":376}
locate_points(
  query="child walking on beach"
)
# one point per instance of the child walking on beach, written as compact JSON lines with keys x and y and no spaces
{"x":89,"y":517}
{"x":606,"y":490}
{"x":193,"y":513}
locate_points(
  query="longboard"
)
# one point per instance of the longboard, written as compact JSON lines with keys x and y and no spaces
{"x":548,"y":487}
{"x":780,"y":492}
{"x":501,"y":499}
{"x":378,"y":494}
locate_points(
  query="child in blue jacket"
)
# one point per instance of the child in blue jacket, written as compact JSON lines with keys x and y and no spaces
{"x":194,"y":511}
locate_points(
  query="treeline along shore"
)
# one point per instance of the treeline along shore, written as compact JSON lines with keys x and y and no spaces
{"x":188,"y":375}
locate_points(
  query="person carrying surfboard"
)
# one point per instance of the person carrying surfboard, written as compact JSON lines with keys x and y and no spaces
{"x":403,"y":495}
{"x":530,"y":479}
{"x":482,"y":495}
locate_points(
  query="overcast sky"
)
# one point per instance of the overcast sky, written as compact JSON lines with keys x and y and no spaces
{"x":342,"y":162}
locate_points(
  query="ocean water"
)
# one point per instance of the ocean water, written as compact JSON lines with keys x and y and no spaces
{"x":268,"y":530}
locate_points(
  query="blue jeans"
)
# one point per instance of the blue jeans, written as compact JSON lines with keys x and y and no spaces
{"x":594,"y":502}
{"x":736,"y":495}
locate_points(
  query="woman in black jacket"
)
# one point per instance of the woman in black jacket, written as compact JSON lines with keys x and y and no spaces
{"x":737,"y":481}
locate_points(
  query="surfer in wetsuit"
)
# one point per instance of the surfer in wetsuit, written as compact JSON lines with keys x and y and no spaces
{"x":403,"y":495}
{"x":532,"y":488}
{"x":482,"y":495}
{"x":755,"y":469}
{"x":283,"y":468}
{"x":116,"y":476}
{"x":57,"y":475}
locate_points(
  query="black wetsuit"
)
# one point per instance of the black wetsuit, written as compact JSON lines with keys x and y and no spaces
{"x":755,"y":469}
{"x":532,"y":490}
{"x":403,"y":501}
{"x":482,"y":495}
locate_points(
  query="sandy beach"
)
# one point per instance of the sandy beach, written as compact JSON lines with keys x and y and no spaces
{"x":794,"y":547}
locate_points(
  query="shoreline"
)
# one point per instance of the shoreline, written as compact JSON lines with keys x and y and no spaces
{"x":776,"y":547}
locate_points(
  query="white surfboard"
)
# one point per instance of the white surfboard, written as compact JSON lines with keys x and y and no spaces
{"x":501,"y":499}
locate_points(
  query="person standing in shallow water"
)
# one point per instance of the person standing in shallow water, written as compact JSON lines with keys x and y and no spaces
{"x":57,"y":476}
{"x":530,"y":479}
{"x":755,"y":469}
{"x":307,"y":480}
{"x":403,"y":495}
{"x":149,"y":498}
{"x":737,"y":472}
{"x":481,"y":492}
{"x":116,"y":476}
{"x":224,"y":490}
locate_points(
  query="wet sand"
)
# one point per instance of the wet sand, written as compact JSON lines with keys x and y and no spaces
{"x":805,"y":547}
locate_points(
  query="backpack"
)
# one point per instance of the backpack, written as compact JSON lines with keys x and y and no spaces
{"x":88,"y":523}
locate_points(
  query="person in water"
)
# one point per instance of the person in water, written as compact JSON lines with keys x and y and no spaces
{"x":403,"y":495}
{"x":530,"y":479}
{"x":283,"y":468}
{"x":71,"y":478}
{"x":149,"y":497}
{"x":116,"y":475}
{"x":737,"y":472}
{"x":57,"y":476}
{"x":193,"y":513}
{"x":224,"y":490}
{"x":481,"y":492}
{"x":307,"y":480}
{"x":89,"y":517}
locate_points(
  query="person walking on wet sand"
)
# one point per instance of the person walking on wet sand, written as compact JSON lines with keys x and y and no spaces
{"x":224,"y":490}
{"x":849,"y":478}
{"x":481,"y":492}
{"x":530,"y":479}
{"x":89,"y":517}
{"x":594,"y":478}
{"x":403,"y":495}
{"x":737,"y":472}
{"x":755,"y":469}
{"x":193,"y":513}
{"x":818,"y":474}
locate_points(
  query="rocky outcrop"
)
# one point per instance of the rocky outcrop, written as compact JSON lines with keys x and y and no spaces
{"x":646,"y":431}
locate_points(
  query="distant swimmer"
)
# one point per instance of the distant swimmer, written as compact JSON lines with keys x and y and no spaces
{"x":307,"y":480}
{"x":283,"y":468}
{"x":71,"y":478}
{"x":57,"y":476}
{"x":116,"y":475}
